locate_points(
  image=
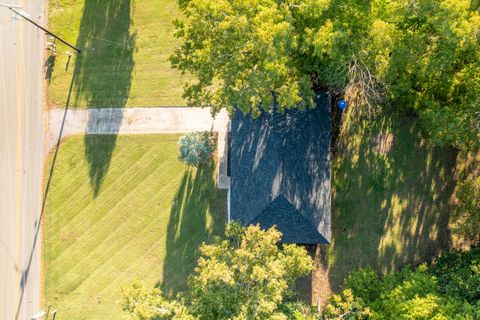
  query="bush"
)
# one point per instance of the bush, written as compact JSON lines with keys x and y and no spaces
{"x":196,"y":147}
{"x":346,"y":306}
{"x":448,"y":289}
{"x":458,"y":274}
{"x":468,"y":217}
{"x":365,"y":284}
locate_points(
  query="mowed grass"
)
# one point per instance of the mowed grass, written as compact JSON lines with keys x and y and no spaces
{"x":124,"y":60}
{"x":145,"y":220}
{"x":391,"y":208}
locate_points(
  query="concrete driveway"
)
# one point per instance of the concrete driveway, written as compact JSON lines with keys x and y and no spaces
{"x":67,"y":122}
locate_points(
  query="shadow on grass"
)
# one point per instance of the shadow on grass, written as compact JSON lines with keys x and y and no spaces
{"x":104,"y":74}
{"x":49,"y":66}
{"x":389,"y":208}
{"x":198,"y":212}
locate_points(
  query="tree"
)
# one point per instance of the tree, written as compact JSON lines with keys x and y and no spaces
{"x":195,"y":148}
{"x":244,"y":54}
{"x":448,"y":289}
{"x":345,"y":306}
{"x":247,"y":275}
{"x":458,"y":274}
{"x":468,"y":216}
{"x":434,"y":68}
{"x":420,"y":56}
{"x":147,"y":304}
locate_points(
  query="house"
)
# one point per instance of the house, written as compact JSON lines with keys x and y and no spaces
{"x":279,"y":167}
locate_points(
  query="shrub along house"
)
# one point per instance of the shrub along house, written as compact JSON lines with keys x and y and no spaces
{"x":279,"y":166}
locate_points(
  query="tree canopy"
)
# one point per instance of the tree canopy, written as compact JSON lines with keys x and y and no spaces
{"x":421,"y":56}
{"x":467,"y":217}
{"x":246,"y":275}
{"x":448,"y":289}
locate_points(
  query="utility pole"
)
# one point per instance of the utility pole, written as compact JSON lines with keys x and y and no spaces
{"x":25,"y":16}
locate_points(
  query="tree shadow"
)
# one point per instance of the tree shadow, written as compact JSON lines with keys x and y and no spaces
{"x":198,"y":213}
{"x":104,"y":73}
{"x":389,"y":209}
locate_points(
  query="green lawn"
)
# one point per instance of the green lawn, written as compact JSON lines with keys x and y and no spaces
{"x":388,"y":209}
{"x":124,"y":62}
{"x":123,"y":208}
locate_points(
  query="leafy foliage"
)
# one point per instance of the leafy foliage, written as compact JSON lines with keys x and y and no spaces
{"x":298,"y":310}
{"x":422,"y":56}
{"x":435,"y":68}
{"x":446,"y":290}
{"x":365,"y":283}
{"x":195,"y":147}
{"x":458,"y":274}
{"x":244,"y":276}
{"x":144,"y":304}
{"x":468,"y":217}
{"x":346,"y":306}
{"x":242,"y":52}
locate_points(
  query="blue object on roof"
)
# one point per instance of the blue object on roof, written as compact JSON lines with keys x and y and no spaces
{"x":342,"y":104}
{"x":280,"y":172}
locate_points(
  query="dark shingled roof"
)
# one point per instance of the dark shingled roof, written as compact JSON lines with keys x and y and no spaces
{"x":280,"y":172}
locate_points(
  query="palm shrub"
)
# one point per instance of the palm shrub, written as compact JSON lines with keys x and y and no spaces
{"x":195,"y":147}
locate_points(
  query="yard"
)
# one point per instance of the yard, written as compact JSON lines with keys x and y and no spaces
{"x":123,"y":208}
{"x":391,"y":199}
{"x":124,"y":60}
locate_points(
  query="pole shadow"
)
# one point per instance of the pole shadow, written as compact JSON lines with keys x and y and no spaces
{"x":39,"y":221}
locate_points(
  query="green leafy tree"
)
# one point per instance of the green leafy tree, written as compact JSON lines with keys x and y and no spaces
{"x":458,"y":274}
{"x":299,"y":310}
{"x":195,"y":147}
{"x":448,"y":289}
{"x":244,"y":53}
{"x":435,"y":68}
{"x":467,"y":219}
{"x":346,"y":306}
{"x":148,"y":304}
{"x":247,"y":275}
{"x":421,"y":56}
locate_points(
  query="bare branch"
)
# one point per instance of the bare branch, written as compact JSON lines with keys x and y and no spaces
{"x":364,"y":91}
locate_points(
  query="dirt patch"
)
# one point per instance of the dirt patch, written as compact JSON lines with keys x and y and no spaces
{"x":315,"y":288}
{"x":382,"y":143}
{"x":321,"y":288}
{"x":69,"y":237}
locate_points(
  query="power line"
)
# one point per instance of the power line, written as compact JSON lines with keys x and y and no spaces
{"x":24,"y":16}
{"x":106,"y":40}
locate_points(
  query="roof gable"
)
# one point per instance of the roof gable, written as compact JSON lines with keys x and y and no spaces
{"x":287,"y":219}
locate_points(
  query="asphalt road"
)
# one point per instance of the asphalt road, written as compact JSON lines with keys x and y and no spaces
{"x":22,"y":145}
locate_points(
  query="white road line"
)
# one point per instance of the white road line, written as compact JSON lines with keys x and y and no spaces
{"x":4,"y":87}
